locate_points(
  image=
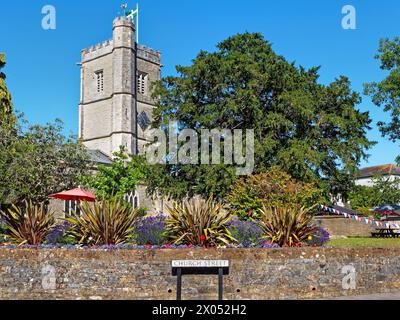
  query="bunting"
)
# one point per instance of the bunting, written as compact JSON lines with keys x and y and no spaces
{"x":363,"y":220}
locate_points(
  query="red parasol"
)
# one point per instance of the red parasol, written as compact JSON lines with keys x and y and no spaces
{"x":75,"y":194}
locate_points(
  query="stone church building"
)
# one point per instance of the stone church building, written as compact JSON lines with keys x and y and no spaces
{"x":115,"y":105}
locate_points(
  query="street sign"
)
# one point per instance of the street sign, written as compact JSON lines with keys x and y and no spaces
{"x":199,"y":267}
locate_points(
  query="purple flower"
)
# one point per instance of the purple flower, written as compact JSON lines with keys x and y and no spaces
{"x":319,"y":237}
{"x":247,"y":233}
{"x":266,"y":244}
{"x":3,"y":229}
{"x":59,"y":234}
{"x":150,"y":231}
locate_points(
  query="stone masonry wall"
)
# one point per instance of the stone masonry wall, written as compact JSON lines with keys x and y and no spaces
{"x":303,"y":273}
{"x":340,"y":226}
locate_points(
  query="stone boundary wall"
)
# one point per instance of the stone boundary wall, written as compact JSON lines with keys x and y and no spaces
{"x":303,"y":273}
{"x":341,"y":226}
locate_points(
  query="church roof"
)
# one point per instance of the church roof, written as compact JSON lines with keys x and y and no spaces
{"x":99,"y":157}
{"x":385,"y":170}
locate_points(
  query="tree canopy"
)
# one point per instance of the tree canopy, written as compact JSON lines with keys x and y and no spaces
{"x":386,"y":93}
{"x":384,"y":191}
{"x":312,"y":131}
{"x":119,"y":179}
{"x":7,"y":117}
{"x":35,"y":161}
{"x":39,"y":161}
{"x":271,"y":188}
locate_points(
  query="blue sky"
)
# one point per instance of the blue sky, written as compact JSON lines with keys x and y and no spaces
{"x":44,"y":79}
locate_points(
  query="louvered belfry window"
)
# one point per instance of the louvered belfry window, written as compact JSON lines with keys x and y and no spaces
{"x":100,"y":81}
{"x":142,"y":82}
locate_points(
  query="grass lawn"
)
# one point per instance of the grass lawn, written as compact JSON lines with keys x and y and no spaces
{"x":364,"y":242}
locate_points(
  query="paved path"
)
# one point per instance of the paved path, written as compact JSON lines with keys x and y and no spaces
{"x":378,"y":296}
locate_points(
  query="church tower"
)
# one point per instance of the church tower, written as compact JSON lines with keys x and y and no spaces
{"x":115,"y":106}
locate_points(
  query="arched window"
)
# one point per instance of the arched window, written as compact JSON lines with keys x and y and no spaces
{"x":142,"y":81}
{"x":71,"y":206}
{"x":133,"y":199}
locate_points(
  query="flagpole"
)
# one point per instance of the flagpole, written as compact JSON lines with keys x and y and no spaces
{"x":137,"y":22}
{"x":132,"y":14}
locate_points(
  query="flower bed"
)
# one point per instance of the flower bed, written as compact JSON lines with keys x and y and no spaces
{"x":264,"y":245}
{"x":194,"y":223}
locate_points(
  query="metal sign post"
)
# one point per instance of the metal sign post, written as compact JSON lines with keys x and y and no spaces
{"x":199,"y":267}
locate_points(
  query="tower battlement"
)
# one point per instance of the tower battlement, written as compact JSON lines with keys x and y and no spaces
{"x":149,"y":54}
{"x":98,"y":46}
{"x":97,"y":50}
{"x":123,"y":21}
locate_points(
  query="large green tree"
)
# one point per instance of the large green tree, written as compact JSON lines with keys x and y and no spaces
{"x":386,"y":93}
{"x":7,"y":117}
{"x":312,"y":131}
{"x":35,"y":161}
{"x":39,"y":161}
{"x":7,"y":128}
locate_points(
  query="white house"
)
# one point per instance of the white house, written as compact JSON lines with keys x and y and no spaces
{"x":366,"y":175}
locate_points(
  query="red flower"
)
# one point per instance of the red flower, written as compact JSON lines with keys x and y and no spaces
{"x":297,"y":245}
{"x":202,"y":238}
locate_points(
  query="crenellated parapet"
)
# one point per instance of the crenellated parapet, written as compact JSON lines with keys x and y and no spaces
{"x":149,"y":54}
{"x":106,"y":47}
{"x":97,"y":50}
{"x":123,"y":22}
{"x":123,"y":37}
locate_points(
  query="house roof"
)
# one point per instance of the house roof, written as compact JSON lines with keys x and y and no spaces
{"x":349,"y":211}
{"x":385,"y":170}
{"x":99,"y":157}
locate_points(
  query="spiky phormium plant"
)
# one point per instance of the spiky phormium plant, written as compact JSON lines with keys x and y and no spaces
{"x":198,"y":222}
{"x":29,"y":223}
{"x":287,"y":226}
{"x":109,"y":222}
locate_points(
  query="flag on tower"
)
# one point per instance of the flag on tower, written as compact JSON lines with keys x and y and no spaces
{"x":132,"y":14}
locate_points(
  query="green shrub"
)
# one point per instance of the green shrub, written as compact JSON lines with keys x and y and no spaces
{"x":28,"y":224}
{"x":363,"y":198}
{"x":198,"y":222}
{"x":3,"y":231}
{"x":272,"y":188}
{"x":109,"y":222}
{"x":143,"y":211}
{"x":287,"y":226}
{"x":383,"y":191}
